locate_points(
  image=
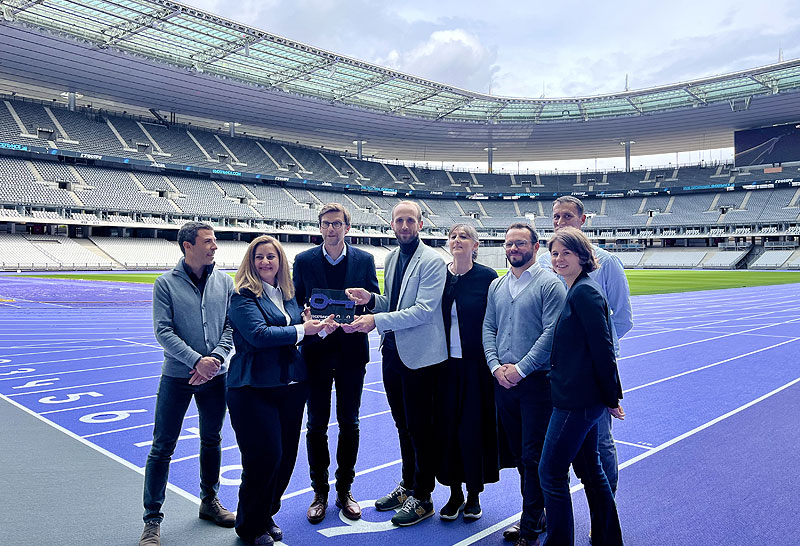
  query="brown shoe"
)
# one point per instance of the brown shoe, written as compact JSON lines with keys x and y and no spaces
{"x":512,"y":533}
{"x":316,"y":512}
{"x":151,"y":536}
{"x":349,"y":506}
{"x":214,"y":511}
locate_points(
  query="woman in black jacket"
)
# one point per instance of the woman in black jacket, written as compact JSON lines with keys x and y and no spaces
{"x":466,"y":387}
{"x":266,"y":390}
{"x":585,"y":384}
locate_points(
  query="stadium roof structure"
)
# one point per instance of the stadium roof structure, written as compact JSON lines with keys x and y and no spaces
{"x":171,"y":57}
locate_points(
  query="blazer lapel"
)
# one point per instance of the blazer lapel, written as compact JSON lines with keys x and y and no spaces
{"x":388,"y":276}
{"x":350,"y":279}
{"x":271,"y":313}
{"x":412,"y":265}
{"x":320,"y":280}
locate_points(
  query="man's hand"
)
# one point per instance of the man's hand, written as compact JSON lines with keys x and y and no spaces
{"x":358,"y":295}
{"x":512,"y":375}
{"x":362,"y":323}
{"x":205,"y":369}
{"x":617,"y":413}
{"x":500,"y":375}
{"x":330,"y":324}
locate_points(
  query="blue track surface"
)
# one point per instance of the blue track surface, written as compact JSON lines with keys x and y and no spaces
{"x":83,"y":356}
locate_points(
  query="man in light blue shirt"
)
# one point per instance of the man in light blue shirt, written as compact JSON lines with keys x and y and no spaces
{"x":569,"y":211}
{"x":521,"y":311}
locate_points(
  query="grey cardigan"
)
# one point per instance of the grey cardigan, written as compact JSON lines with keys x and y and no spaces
{"x":520,"y":331}
{"x":187,"y":326}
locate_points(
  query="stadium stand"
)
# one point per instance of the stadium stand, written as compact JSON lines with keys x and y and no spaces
{"x":140,"y":253}
{"x":772,"y":259}
{"x":675,"y":259}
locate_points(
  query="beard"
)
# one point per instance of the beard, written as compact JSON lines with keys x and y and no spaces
{"x":520,"y":259}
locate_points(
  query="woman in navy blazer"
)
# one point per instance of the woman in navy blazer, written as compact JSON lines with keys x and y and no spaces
{"x":266,"y":390}
{"x":585,"y":384}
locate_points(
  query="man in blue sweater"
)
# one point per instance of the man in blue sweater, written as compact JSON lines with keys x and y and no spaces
{"x":521,"y":312}
{"x":190,"y":310}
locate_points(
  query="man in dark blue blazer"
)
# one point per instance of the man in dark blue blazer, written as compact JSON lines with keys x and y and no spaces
{"x":339,"y":358}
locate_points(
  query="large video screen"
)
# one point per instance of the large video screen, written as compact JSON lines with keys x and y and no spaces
{"x":767,"y":145}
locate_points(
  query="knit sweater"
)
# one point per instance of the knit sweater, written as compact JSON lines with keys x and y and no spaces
{"x":520,"y":330}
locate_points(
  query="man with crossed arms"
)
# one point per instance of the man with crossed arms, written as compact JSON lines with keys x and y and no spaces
{"x":521,"y":313}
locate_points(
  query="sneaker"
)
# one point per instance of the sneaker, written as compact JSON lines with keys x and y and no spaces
{"x":413,"y":511}
{"x":214,"y":511}
{"x":472,"y":510}
{"x":393,"y":500}
{"x":454,"y":506}
{"x":151,"y":536}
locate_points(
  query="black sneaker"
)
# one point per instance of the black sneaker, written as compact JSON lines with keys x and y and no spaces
{"x":454,"y":506}
{"x":472,"y":510}
{"x":413,"y":511}
{"x":393,"y":500}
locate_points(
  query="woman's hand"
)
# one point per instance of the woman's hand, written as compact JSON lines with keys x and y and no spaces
{"x":617,"y":413}
{"x":312,"y":326}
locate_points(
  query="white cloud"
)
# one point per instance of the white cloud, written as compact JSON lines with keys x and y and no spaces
{"x":455,"y":56}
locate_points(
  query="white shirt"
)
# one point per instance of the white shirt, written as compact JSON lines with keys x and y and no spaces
{"x":455,"y":335}
{"x":275,"y":295}
{"x":328,"y":256}
{"x":517,"y":285}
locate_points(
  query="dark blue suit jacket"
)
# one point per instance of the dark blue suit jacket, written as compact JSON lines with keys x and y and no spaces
{"x":266,"y":354}
{"x":308,"y":274}
{"x":583,"y":368}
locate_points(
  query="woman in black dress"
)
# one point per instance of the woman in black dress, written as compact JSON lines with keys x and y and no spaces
{"x":585,"y":385}
{"x":467,"y":411}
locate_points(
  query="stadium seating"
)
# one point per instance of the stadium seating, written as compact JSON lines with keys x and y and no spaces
{"x":675,"y":259}
{"x":771,"y":259}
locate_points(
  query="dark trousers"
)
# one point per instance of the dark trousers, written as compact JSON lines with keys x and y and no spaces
{"x":525,"y":411}
{"x":572,"y":438}
{"x":349,"y":381}
{"x":267,"y":423}
{"x":411,"y":398}
{"x":172,"y":401}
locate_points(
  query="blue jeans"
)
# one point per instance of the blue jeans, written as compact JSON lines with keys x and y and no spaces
{"x":572,"y":439}
{"x":174,"y":396}
{"x":608,"y":451}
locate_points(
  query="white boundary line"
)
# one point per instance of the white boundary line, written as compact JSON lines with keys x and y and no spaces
{"x":109,"y":454}
{"x":661,"y":447}
{"x":52,"y":374}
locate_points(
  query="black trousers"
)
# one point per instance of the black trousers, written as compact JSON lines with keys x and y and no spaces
{"x":267,"y":423}
{"x":411,"y":398}
{"x":349,"y":382}
{"x":525,"y":412}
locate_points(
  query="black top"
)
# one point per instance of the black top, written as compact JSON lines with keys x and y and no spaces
{"x":310,"y":272}
{"x":583,"y":367}
{"x":470,"y":292}
{"x":199,"y":282}
{"x":334,"y":274}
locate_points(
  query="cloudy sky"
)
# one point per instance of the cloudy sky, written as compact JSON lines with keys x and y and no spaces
{"x":559,"y":49}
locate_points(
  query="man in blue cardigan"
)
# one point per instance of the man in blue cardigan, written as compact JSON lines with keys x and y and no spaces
{"x":521,"y":312}
{"x":190,"y":309}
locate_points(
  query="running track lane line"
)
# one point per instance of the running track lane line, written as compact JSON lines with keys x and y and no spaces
{"x":669,"y":443}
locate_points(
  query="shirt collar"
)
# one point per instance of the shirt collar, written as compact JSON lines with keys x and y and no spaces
{"x":272,"y":292}
{"x":331,"y":260}
{"x":527,"y":273}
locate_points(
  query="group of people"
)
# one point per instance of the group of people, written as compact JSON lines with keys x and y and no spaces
{"x":480,"y":372}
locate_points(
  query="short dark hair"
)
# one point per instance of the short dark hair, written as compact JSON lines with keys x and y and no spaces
{"x":188,"y":232}
{"x":572,"y":200}
{"x":523,"y":225}
{"x":578,"y":243}
{"x":335,"y":207}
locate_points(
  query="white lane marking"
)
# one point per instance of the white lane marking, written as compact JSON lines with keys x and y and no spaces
{"x":661,"y":447}
{"x":632,"y":444}
{"x":195,"y":416}
{"x":709,"y":366}
{"x":86,"y":358}
{"x":110,"y":455}
{"x":707,"y":339}
{"x":375,"y":390}
{"x":159,"y":347}
{"x":332,"y":482}
{"x":89,"y":384}
{"x":97,"y":405}
{"x":70,"y":350}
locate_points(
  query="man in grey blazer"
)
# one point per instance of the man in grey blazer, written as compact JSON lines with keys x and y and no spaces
{"x":409,"y":318}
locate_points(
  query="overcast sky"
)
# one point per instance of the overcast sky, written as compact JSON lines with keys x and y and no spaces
{"x":562,"y":48}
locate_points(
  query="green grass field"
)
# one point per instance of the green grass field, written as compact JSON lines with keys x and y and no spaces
{"x":642,"y":281}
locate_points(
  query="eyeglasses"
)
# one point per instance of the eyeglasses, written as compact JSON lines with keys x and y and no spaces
{"x":519,"y":244}
{"x":335,"y":225}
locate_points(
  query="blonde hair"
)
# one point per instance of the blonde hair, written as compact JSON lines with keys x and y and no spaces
{"x":471,"y":232}
{"x":247,"y":276}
